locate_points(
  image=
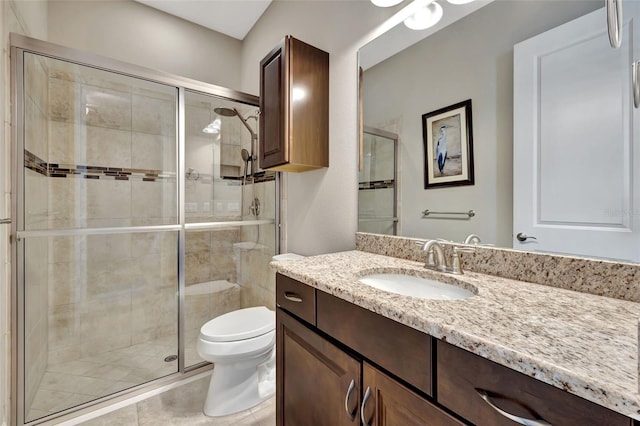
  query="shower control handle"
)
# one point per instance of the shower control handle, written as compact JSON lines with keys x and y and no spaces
{"x":293,"y":297}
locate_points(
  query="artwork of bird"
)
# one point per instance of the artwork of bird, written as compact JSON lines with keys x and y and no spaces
{"x":441,"y":147}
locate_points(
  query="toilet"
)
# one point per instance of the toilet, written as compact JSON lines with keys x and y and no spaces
{"x":241,"y":345}
{"x":237,"y":343}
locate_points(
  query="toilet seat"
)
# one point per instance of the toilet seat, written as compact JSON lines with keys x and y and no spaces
{"x":239,"y":325}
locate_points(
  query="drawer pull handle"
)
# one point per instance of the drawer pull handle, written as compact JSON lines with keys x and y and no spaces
{"x":367,"y":395}
{"x":352,"y":414}
{"x":520,"y":420}
{"x":293,"y":297}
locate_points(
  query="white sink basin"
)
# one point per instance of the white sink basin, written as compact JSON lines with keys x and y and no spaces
{"x":409,"y":285}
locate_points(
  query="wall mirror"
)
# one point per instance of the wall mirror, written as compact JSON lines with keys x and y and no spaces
{"x":577,"y":94}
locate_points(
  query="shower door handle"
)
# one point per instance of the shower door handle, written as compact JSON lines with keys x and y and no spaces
{"x":5,"y":220}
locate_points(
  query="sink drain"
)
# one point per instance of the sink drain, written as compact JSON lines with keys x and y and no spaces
{"x":171,"y":358}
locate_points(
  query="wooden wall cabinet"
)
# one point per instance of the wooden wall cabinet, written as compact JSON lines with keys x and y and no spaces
{"x":294,"y":105}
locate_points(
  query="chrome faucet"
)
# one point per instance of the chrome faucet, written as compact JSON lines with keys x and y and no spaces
{"x":435,"y":255}
{"x":437,"y":260}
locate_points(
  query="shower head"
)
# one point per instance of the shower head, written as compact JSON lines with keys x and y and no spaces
{"x":227,"y":112}
{"x":245,"y":155}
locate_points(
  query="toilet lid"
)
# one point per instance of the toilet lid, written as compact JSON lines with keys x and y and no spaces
{"x":239,"y":325}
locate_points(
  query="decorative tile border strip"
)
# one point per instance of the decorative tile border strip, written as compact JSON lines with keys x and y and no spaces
{"x":38,"y":165}
{"x":377,"y":184}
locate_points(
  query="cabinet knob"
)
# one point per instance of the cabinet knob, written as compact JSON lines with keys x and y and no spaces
{"x":351,"y":414}
{"x":520,"y":420}
{"x":367,"y":395}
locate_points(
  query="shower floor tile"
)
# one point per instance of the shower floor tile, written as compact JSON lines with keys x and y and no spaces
{"x":67,"y":384}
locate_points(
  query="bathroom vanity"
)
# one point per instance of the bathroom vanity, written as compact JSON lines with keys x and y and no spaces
{"x":348,"y":353}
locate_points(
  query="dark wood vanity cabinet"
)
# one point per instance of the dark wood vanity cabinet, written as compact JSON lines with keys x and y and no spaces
{"x":325,"y":364}
{"x":464,"y":377}
{"x":314,"y":377}
{"x":294,"y":105}
{"x":340,"y":364}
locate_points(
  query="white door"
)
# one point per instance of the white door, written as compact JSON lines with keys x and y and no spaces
{"x":576,"y":173}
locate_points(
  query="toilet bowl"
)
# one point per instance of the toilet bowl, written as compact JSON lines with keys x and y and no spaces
{"x":241,"y":345}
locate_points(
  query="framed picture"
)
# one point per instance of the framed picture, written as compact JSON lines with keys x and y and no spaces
{"x":448,"y":146}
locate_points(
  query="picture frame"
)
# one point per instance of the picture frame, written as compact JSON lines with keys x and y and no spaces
{"x":448,"y":146}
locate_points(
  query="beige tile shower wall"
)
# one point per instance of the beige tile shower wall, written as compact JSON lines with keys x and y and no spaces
{"x":209,"y":255}
{"x":212,"y":157}
{"x":98,"y":120}
{"x":256,"y":279}
{"x":110,"y":291}
{"x":36,"y":206}
{"x":36,"y":320}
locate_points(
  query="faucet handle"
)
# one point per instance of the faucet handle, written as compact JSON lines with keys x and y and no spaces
{"x":456,"y":267}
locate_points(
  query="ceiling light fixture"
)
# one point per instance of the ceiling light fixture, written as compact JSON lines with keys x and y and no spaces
{"x":425,"y":17}
{"x":386,"y":3}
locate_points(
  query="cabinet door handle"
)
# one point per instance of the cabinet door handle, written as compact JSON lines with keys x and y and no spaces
{"x":352,"y":414}
{"x":614,"y":23}
{"x":367,"y":395}
{"x":520,"y":420}
{"x":293,"y":297}
{"x":635,"y":70}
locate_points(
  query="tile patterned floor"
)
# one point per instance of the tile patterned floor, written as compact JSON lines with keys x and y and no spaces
{"x":183,"y":406}
{"x":68,"y":384}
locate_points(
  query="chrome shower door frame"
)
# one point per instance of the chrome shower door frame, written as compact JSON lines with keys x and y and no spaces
{"x":19,"y":46}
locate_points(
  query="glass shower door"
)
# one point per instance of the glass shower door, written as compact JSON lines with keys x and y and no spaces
{"x":229,"y":214}
{"x":97,"y":234}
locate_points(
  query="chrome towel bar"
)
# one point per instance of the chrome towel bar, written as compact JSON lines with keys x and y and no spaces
{"x":470,"y":213}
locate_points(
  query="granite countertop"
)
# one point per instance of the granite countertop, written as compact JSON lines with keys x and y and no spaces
{"x":578,"y":342}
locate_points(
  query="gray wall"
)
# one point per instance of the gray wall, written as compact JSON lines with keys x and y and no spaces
{"x":471,"y":59}
{"x":141,"y":35}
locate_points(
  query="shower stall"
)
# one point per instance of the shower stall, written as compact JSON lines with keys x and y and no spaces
{"x":140,"y":214}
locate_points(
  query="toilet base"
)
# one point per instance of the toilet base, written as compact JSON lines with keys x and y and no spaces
{"x":234,"y":388}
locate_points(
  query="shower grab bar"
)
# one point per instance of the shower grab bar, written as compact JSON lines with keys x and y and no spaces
{"x":470,"y":213}
{"x":5,"y":220}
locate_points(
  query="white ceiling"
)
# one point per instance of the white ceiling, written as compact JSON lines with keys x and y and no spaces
{"x":231,"y":17}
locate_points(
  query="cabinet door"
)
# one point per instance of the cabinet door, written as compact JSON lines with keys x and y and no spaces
{"x":314,"y":378}
{"x":274,"y":146}
{"x":390,"y":403}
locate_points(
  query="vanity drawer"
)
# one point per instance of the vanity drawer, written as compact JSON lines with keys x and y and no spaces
{"x":401,"y":350}
{"x":296,"y":297}
{"x":461,"y":375}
